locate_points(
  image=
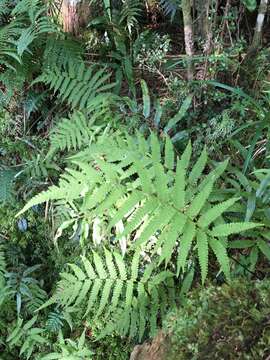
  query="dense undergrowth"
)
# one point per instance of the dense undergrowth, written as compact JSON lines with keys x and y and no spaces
{"x":134,"y":181}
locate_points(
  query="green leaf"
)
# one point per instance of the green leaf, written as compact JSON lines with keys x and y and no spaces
{"x":155,"y":147}
{"x":221,"y":255}
{"x":144,"y":177}
{"x":6,"y":184}
{"x":202,"y":245}
{"x":30,"y":323}
{"x":251,"y":206}
{"x":161,"y":183}
{"x":185,"y":245}
{"x":175,"y":229}
{"x":251,"y":5}
{"x":158,"y":114}
{"x":185,"y":157}
{"x":263,"y":186}
{"x":99,"y":266}
{"x":213,"y":175}
{"x":135,"y":265}
{"x":78,"y":272}
{"x":213,"y":213}
{"x":156,"y":222}
{"x":233,"y":228}
{"x":179,"y":116}
{"x":198,"y":168}
{"x":187,"y":283}
{"x":146,"y":99}
{"x":264,"y":247}
{"x":169,"y":154}
{"x":126,"y":207}
{"x":200,"y":200}
{"x":178,"y":197}
{"x":121,"y":266}
{"x":241,"y":244}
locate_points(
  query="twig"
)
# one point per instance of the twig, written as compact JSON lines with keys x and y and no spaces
{"x":4,"y":236}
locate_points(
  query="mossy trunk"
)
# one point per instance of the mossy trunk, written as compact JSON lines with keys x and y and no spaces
{"x":257,"y":38}
{"x":203,"y":7}
{"x":188,"y":31}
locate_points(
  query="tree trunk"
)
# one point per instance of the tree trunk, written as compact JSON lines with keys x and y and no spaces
{"x":75,"y":14}
{"x":188,"y":31}
{"x":204,"y":24}
{"x":257,"y":38}
{"x":202,"y":9}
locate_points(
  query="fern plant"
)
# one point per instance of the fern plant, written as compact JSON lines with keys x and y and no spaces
{"x":130,"y":13}
{"x":59,"y":52}
{"x":109,"y":284}
{"x":77,"y":132}
{"x":25,"y":289}
{"x":26,"y":336}
{"x":6,"y":184}
{"x":54,"y":321}
{"x":170,"y":7}
{"x":76,"y":83}
{"x":29,"y":22}
{"x":125,"y":179}
{"x":254,"y":206}
{"x":70,"y":349}
{"x":149,"y":114}
{"x":8,"y":51}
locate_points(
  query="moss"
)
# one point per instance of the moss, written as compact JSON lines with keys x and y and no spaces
{"x":228,"y":322}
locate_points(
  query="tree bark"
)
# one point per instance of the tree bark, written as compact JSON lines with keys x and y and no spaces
{"x":188,"y":31}
{"x":75,"y":14}
{"x":202,"y":7}
{"x":256,"y":42}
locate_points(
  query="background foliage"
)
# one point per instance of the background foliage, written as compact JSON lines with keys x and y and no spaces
{"x":134,"y":177}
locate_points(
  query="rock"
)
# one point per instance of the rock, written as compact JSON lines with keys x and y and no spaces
{"x":155,"y":350}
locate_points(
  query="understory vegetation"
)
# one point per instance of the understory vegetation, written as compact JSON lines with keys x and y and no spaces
{"x":134,"y":178}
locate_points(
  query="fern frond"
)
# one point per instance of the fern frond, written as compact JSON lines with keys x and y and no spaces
{"x":155,"y":149}
{"x":123,"y":179}
{"x":128,"y":205}
{"x":221,"y":255}
{"x":157,"y":221}
{"x":185,"y":245}
{"x":39,"y":23}
{"x":131,"y":11}
{"x":179,"y":186}
{"x":264,"y":248}
{"x":77,"y":84}
{"x":169,"y":154}
{"x":213,"y":213}
{"x":54,"y":321}
{"x":161,"y":182}
{"x":202,"y":246}
{"x":6,"y":184}
{"x":200,"y":200}
{"x":112,"y":284}
{"x":137,"y":217}
{"x":214,"y":174}
{"x":71,"y":133}
{"x":233,"y":228}
{"x":198,"y":168}
{"x":175,"y":230}
{"x":59,"y":52}
{"x":169,"y":7}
